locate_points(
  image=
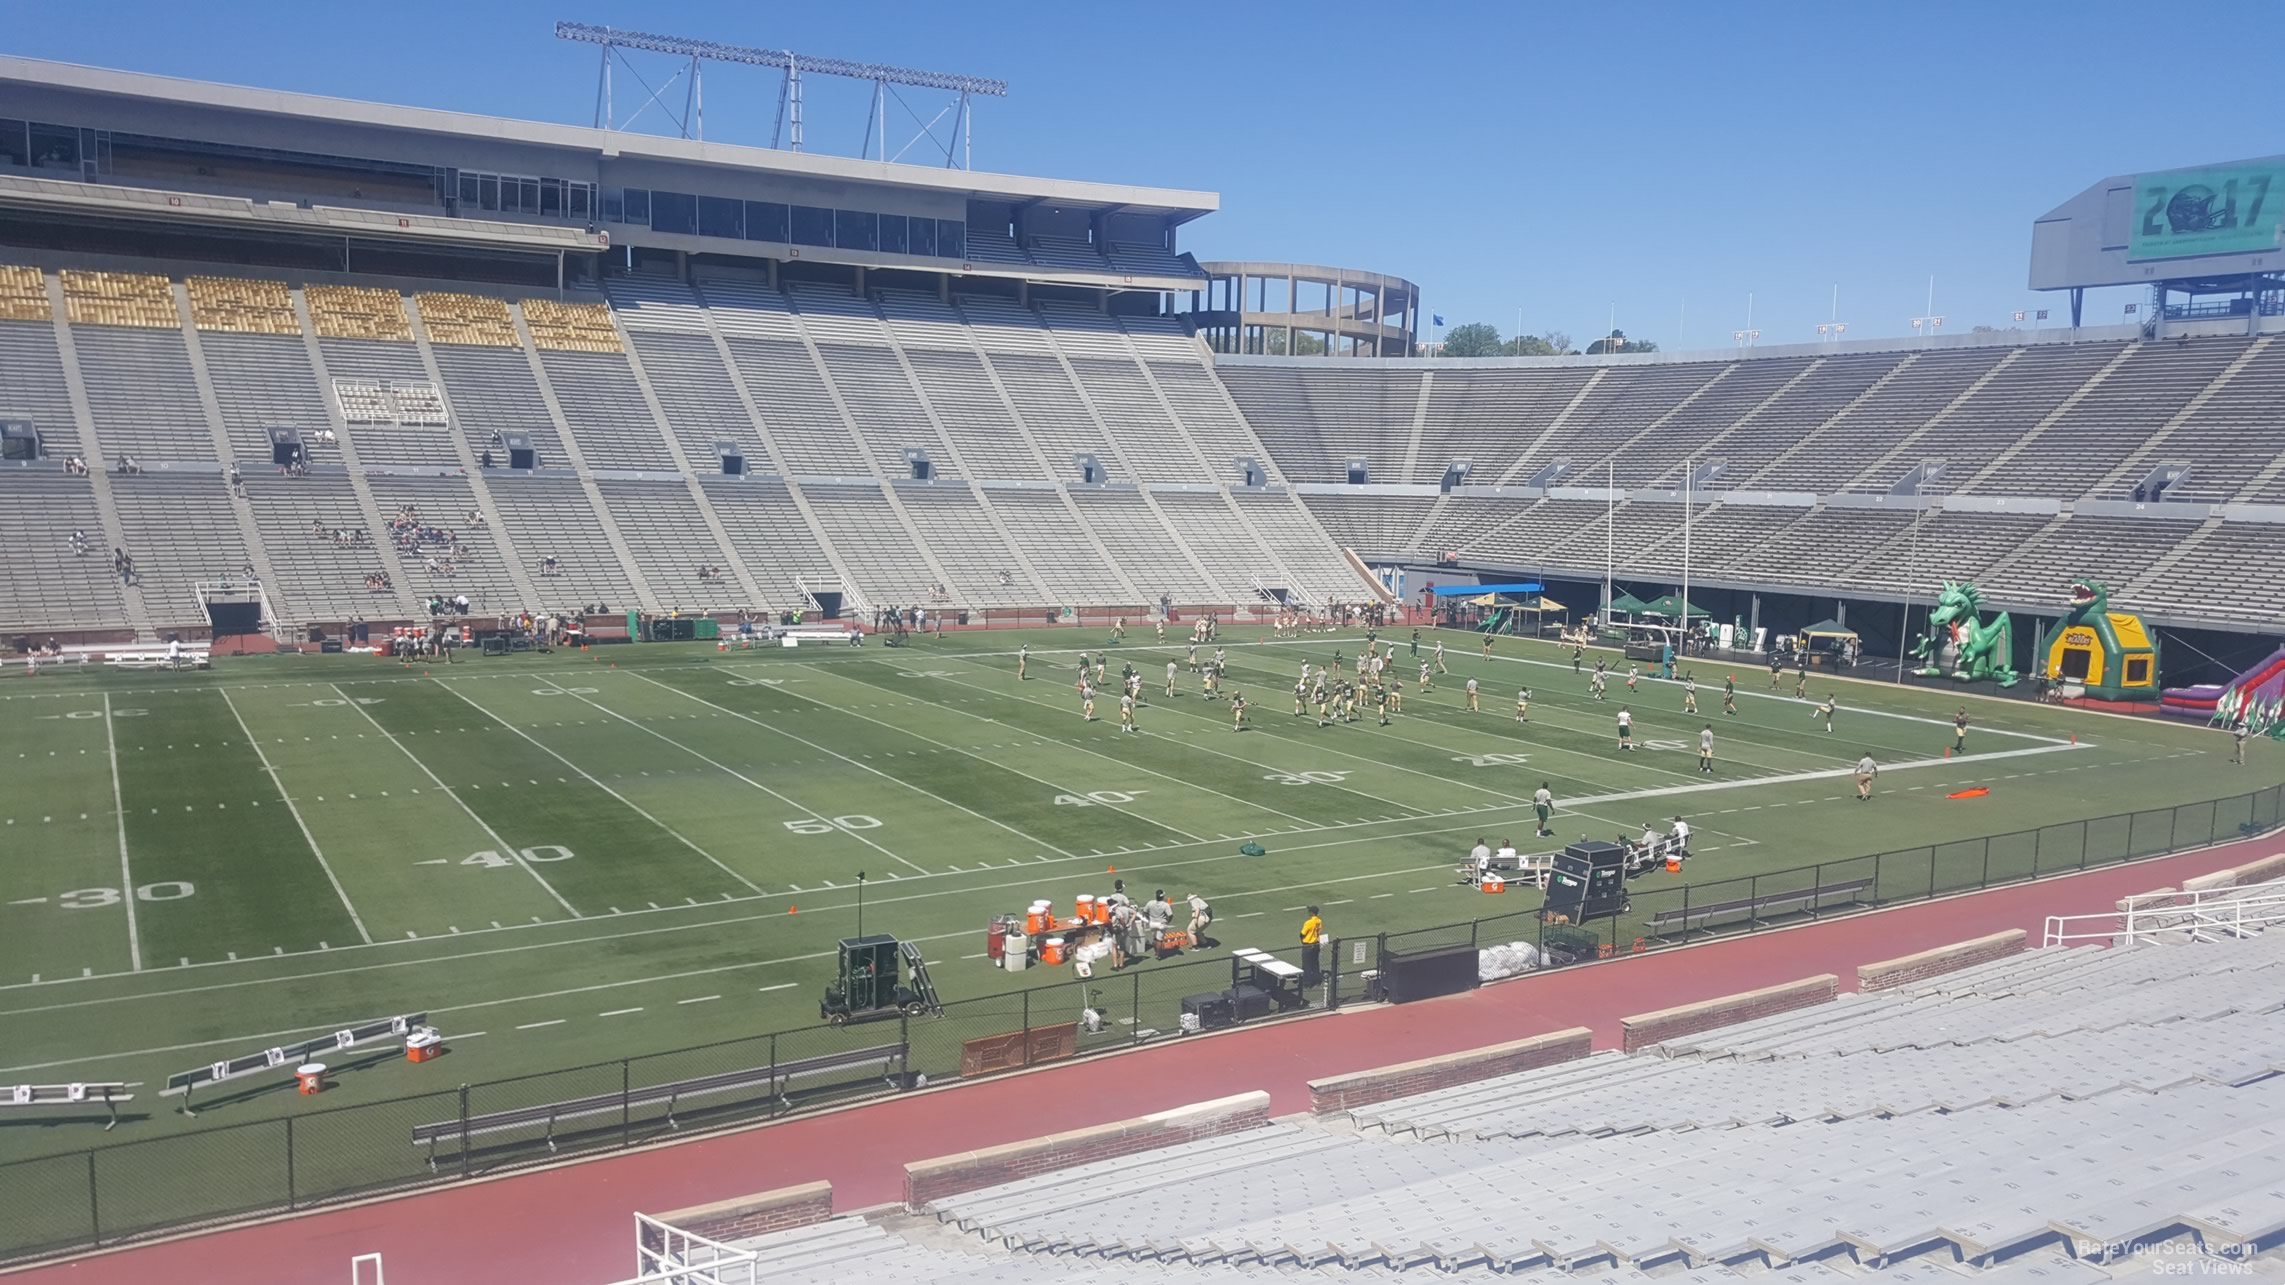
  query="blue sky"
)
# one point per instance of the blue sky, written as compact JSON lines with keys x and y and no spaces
{"x":1665,"y":160}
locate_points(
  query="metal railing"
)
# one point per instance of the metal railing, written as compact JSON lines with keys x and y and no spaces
{"x":669,"y":1255}
{"x":102,"y":1195}
{"x":2210,"y":914}
{"x":1723,"y":907}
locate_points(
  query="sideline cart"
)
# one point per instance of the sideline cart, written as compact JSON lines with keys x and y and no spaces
{"x":878,"y":976}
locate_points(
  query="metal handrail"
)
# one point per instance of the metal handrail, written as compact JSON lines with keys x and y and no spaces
{"x":665,"y":1254}
{"x":2210,"y":914}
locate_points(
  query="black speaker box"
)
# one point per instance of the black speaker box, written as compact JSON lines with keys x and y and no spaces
{"x":1211,"y":1008}
{"x":1248,"y":1002}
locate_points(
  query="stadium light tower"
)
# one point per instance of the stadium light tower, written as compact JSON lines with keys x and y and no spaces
{"x":788,"y":131}
{"x":1929,"y":322}
{"x":1831,"y":330}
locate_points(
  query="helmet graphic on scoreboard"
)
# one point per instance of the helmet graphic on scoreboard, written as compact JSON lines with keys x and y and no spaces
{"x":2195,"y":209}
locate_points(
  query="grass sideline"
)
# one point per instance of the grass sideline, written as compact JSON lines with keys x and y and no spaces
{"x":573,"y":857}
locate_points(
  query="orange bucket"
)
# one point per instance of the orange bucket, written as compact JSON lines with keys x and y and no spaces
{"x":1051,"y":951}
{"x":1084,"y":911}
{"x":1673,"y":864}
{"x":1038,"y":919}
{"x":1102,"y":910}
{"x":1493,"y":883}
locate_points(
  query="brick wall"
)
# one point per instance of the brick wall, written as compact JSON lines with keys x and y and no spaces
{"x":926,"y":1180}
{"x":1645,"y":1029}
{"x":1340,"y":1092}
{"x":1938,"y":960}
{"x":742,"y":1216}
{"x":2260,"y":871}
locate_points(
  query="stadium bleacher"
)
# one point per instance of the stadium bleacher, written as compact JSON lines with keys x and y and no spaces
{"x":2062,"y":1115}
{"x":830,"y":390}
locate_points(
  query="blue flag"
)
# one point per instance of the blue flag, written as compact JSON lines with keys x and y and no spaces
{"x":1438,"y":317}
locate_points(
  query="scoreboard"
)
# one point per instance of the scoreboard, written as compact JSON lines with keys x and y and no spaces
{"x":2227,"y":209}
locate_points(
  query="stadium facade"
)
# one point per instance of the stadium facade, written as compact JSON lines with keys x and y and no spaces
{"x":674,"y":374}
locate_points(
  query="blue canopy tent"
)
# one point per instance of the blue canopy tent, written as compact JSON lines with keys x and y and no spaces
{"x":1472,"y":590}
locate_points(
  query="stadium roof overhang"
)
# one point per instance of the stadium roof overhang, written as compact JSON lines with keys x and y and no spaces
{"x":317,"y":117}
{"x":99,"y":201}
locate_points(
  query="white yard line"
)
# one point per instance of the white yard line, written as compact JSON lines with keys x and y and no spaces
{"x":737,"y":714}
{"x":543,"y":748}
{"x":506,"y":848}
{"x":680,"y":976}
{"x":725,"y":768}
{"x":1554,"y":715}
{"x":1477,"y":820}
{"x":1071,"y":745}
{"x":1792,"y":700}
{"x":126,"y":873}
{"x":1264,"y":725}
{"x":295,"y":813}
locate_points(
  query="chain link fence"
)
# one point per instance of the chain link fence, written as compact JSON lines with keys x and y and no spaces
{"x":120,"y":1191}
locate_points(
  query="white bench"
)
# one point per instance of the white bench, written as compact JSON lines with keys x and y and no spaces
{"x":35,"y":661}
{"x":106,"y":1094}
{"x":1643,"y":858}
{"x":1528,"y":867}
{"x":795,"y":635}
{"x":159,"y":658}
{"x":1282,"y":980}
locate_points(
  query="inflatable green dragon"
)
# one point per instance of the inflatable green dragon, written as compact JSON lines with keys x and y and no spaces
{"x":1986,"y":649}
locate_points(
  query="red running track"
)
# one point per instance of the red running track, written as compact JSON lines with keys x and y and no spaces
{"x":571,"y":1224}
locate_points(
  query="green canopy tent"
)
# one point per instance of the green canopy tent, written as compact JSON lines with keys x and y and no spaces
{"x":1624,"y":607}
{"x":1671,"y":607}
{"x":1830,"y":638}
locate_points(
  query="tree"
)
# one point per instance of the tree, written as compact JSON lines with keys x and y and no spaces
{"x":1304,"y":343}
{"x":1553,"y":343}
{"x":1475,"y":339}
{"x":1617,"y":342}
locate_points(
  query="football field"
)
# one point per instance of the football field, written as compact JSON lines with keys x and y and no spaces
{"x":571,"y":857}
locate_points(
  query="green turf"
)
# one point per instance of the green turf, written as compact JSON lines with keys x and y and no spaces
{"x":575,"y":857}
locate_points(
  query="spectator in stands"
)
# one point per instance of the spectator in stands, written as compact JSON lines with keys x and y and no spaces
{"x":236,"y":482}
{"x":79,"y":543}
{"x":484,"y":460}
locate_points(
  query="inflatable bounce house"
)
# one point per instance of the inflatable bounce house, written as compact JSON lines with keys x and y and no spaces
{"x":2258,"y":695}
{"x":2109,"y":653}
